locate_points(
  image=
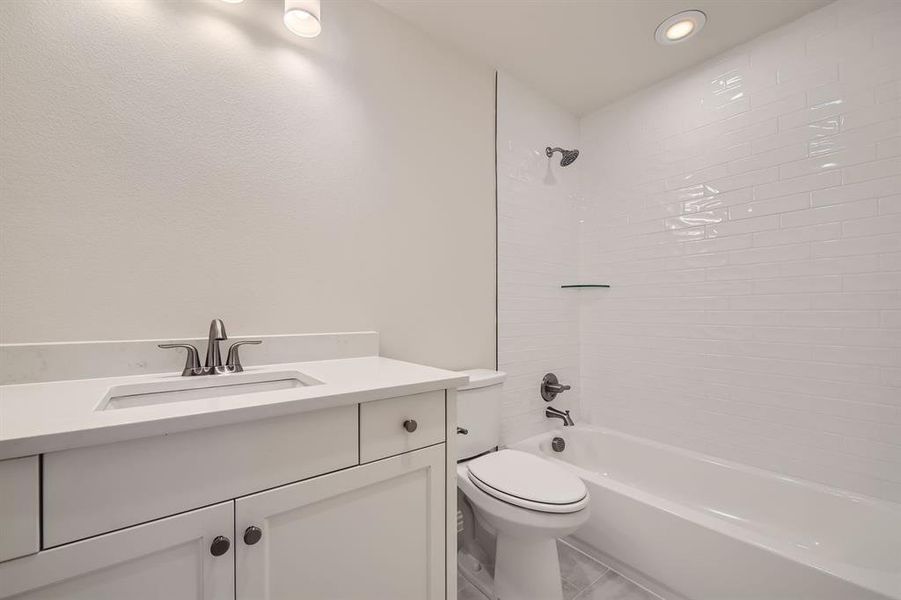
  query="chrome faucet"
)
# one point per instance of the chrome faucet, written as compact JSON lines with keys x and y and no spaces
{"x":555,"y":413}
{"x":213,"y":364}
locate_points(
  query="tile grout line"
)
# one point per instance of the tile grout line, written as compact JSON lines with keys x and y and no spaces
{"x":607,"y":570}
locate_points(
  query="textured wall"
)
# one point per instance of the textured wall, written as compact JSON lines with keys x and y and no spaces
{"x":537,"y":252}
{"x":167,"y":162}
{"x":748,"y":216}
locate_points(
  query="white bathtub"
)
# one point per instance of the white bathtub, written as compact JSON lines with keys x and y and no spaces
{"x":709,"y":529}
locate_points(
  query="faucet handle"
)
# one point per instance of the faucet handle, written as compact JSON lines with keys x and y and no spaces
{"x":192,"y":360}
{"x":233,"y":360}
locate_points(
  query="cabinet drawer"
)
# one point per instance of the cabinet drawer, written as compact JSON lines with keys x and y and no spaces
{"x":19,"y":504}
{"x":93,"y":490}
{"x":382,"y":431}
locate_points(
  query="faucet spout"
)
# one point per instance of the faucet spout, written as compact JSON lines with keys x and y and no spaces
{"x":213,"y":362}
{"x":555,"y":413}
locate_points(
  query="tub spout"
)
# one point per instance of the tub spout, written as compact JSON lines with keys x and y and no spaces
{"x":555,"y":413}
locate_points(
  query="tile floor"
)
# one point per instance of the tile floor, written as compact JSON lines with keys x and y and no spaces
{"x":583,"y":579}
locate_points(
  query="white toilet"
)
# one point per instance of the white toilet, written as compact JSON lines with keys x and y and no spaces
{"x":524,"y":500}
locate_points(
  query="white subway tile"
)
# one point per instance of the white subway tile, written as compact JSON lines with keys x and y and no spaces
{"x":774,"y":157}
{"x":797,"y":285}
{"x":736,"y":242}
{"x":743,"y":226}
{"x":771,"y":302}
{"x":889,"y":147}
{"x":873,"y":170}
{"x":888,"y":91}
{"x":800,"y":184}
{"x":872,"y":337}
{"x":858,"y":355}
{"x":774,"y":254}
{"x":863,"y":301}
{"x":797,"y":135}
{"x":872,"y":227}
{"x":799,"y":84}
{"x":744,"y":180}
{"x":862,"y":117}
{"x":794,"y":235}
{"x":827,"y":214}
{"x":712,"y":200}
{"x":869,"y":134}
{"x":890,"y":205}
{"x":768,"y":207}
{"x":835,"y":160}
{"x":872,"y":282}
{"x":852,"y":247}
{"x":696,"y":219}
{"x":874,"y":188}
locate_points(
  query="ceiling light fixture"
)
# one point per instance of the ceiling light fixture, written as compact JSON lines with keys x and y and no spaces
{"x":302,"y":17}
{"x":680,"y":27}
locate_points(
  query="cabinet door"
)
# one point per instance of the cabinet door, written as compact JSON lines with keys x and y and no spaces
{"x":169,"y":559}
{"x":367,"y":533}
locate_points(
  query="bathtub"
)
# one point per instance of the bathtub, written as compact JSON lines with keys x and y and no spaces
{"x":709,"y":529}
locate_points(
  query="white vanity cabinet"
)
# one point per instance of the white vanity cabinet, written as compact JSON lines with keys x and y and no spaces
{"x":375,"y":531}
{"x":166,"y":559}
{"x":277,"y":509}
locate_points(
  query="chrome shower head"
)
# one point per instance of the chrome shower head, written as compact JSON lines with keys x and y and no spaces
{"x":569,"y":156}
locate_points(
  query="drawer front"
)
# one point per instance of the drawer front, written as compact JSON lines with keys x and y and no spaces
{"x":88,"y":491}
{"x":19,"y":506}
{"x":382,"y":431}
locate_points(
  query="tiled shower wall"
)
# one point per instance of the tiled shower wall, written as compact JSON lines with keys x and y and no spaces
{"x":538,"y":328}
{"x":748,"y":216}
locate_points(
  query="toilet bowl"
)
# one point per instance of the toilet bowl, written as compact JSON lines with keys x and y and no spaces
{"x":525,"y":501}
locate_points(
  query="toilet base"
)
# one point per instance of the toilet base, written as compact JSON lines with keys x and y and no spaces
{"x":527,"y":569}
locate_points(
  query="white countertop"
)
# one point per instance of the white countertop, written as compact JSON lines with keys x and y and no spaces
{"x":46,"y":417}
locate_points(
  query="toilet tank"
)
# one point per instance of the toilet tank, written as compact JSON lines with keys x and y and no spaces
{"x":479,"y":404}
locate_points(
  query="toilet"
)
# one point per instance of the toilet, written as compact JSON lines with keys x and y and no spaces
{"x":525,"y":501}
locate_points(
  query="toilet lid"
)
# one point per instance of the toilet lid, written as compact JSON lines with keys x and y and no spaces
{"x":529,"y":481}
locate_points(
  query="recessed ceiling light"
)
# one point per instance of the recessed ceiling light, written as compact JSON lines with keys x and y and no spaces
{"x":302,"y":17}
{"x":680,"y":27}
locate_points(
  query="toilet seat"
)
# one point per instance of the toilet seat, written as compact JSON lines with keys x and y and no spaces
{"x":528,"y":481}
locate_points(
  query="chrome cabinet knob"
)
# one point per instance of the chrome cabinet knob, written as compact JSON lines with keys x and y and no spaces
{"x":410,"y":425}
{"x":252,"y":535}
{"x":462,"y":431}
{"x":220,"y":545}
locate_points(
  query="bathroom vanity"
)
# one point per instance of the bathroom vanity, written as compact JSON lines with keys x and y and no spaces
{"x":337,"y":485}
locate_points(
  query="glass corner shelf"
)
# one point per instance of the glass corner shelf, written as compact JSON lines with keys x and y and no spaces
{"x":585,"y":285}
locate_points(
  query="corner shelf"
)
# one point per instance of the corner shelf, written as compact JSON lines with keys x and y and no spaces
{"x":585,"y":285}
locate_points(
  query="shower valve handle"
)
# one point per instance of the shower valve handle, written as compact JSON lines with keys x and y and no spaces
{"x":551,"y":386}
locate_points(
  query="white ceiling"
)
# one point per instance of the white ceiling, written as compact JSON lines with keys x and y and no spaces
{"x":587,"y":53}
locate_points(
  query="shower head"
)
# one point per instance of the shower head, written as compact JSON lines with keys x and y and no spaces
{"x":569,"y":156}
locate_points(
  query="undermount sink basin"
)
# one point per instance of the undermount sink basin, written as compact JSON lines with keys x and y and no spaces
{"x":202,"y":387}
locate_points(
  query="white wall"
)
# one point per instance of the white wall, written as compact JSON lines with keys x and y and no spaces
{"x":167,"y":162}
{"x":537,"y":252}
{"x":748,"y":216}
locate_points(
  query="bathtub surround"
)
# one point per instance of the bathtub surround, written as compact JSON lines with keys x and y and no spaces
{"x":165,"y":162}
{"x":538,"y":321}
{"x":745,"y":213}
